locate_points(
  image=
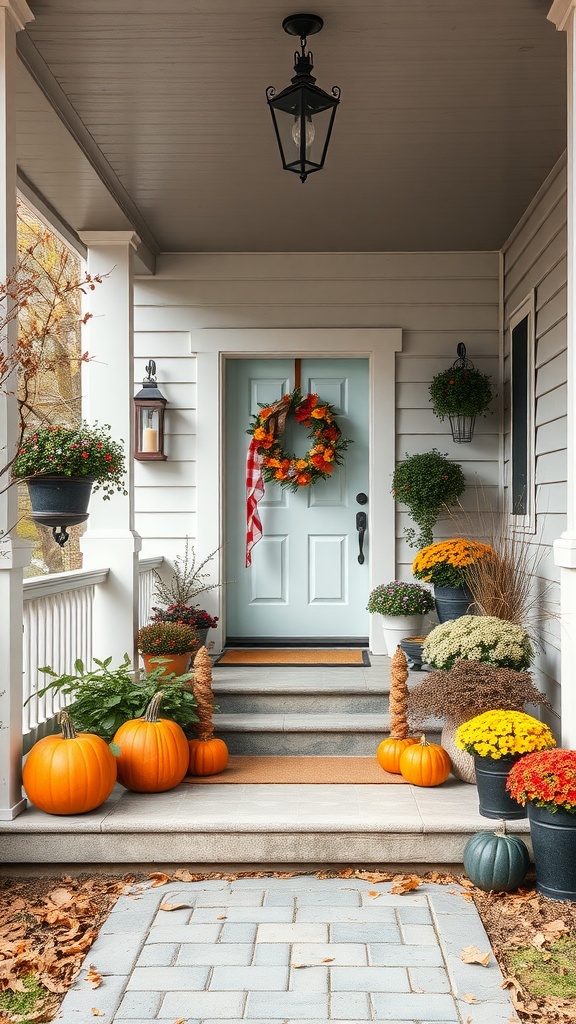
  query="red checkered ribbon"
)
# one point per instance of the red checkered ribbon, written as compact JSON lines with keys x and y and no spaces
{"x":254,"y":492}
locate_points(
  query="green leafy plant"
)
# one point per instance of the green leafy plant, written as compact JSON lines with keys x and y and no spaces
{"x":398,"y":598}
{"x":478,"y":638}
{"x":166,"y":638}
{"x":426,"y":483}
{"x":104,"y":698}
{"x":460,"y":390}
{"x":73,"y":451}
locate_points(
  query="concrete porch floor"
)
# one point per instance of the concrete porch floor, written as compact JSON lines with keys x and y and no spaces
{"x":265,"y":825}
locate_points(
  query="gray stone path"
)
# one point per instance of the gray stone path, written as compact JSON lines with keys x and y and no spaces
{"x":303,"y":950}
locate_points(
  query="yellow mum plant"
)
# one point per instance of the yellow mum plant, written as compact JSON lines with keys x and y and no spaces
{"x":444,"y":564}
{"x":499,"y":734}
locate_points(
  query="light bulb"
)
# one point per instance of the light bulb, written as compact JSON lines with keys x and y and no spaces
{"x":310,"y":132}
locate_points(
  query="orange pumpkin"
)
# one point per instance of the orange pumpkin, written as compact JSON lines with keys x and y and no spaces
{"x":425,"y":764}
{"x":153,"y":751}
{"x":71,"y":773}
{"x":390,"y":751}
{"x":207,"y":756}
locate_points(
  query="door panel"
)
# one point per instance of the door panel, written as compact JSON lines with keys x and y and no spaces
{"x":305,"y":580}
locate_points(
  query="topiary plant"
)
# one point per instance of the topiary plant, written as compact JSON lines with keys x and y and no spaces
{"x":426,"y":483}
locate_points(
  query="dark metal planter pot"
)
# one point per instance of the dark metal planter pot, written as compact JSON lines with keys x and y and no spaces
{"x":60,"y":501}
{"x":451,"y":602}
{"x":554,"y":845}
{"x":493,"y":799}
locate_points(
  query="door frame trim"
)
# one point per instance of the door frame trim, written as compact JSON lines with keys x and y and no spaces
{"x":213,"y":346}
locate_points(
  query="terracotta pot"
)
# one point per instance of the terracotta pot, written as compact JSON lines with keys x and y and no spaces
{"x":177,"y":663}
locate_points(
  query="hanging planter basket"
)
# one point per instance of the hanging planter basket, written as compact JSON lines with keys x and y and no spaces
{"x":60,"y":502}
{"x":461,"y":393}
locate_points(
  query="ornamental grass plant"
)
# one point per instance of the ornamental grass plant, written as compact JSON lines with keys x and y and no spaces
{"x":427,"y":483}
{"x":546,"y":778}
{"x":471,"y":687}
{"x":503,"y":733}
{"x":73,"y":451}
{"x":398,"y":598}
{"x":447,"y":563}
{"x":166,"y":638}
{"x":478,"y":638}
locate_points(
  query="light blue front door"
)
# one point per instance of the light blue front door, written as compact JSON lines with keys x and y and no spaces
{"x":305,"y":581}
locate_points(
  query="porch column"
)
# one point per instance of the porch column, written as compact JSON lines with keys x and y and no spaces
{"x":13,"y":553}
{"x":108,"y":387}
{"x":562,"y":13}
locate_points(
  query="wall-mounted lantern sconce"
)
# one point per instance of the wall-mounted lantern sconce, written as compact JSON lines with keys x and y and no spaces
{"x":149,"y":406}
{"x":302,"y":113}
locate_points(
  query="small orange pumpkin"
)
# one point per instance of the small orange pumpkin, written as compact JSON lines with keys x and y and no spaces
{"x":390,"y":751}
{"x":153,"y":751}
{"x":207,"y":756}
{"x":71,"y":773}
{"x":425,"y":764}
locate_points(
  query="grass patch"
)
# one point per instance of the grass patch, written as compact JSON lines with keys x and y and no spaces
{"x":550,"y":971}
{"x":22,"y":1006}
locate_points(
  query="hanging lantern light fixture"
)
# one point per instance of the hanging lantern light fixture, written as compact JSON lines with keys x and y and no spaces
{"x":149,"y":406}
{"x":303,"y":114}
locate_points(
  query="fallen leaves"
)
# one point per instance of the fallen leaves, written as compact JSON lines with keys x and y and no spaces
{"x":93,"y":978}
{"x":406,"y":883}
{"x":473,"y":955}
{"x":469,"y":998}
{"x":175,"y":906}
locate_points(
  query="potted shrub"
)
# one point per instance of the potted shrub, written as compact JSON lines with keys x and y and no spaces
{"x":545,"y":782}
{"x":467,"y":689}
{"x":104,"y":697}
{"x":426,"y":483}
{"x":462,"y":393}
{"x":445,"y":566}
{"x":168,"y":645}
{"x":61,"y":465}
{"x":496,"y":739}
{"x":402,"y":607}
{"x":177,"y":594}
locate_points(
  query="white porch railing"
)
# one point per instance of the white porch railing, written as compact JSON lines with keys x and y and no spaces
{"x":58,"y":631}
{"x":146,"y":587}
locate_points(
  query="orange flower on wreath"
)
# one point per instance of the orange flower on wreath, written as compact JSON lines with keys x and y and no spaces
{"x":303,"y":479}
{"x":321,"y":413}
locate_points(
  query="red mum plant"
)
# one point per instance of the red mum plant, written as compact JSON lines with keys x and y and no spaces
{"x":546,"y":778}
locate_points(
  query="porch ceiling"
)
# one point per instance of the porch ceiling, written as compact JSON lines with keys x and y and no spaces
{"x":452,"y":114}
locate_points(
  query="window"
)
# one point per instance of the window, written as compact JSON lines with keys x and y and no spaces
{"x":522,"y":400}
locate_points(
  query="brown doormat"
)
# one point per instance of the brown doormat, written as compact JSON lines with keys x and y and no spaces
{"x":319,"y":771}
{"x":307,"y":657}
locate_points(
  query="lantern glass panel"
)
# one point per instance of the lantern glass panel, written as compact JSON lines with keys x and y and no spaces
{"x":148,"y":429}
{"x":309,"y":157}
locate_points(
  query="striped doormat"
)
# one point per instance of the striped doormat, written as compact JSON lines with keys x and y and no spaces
{"x":309,"y":657}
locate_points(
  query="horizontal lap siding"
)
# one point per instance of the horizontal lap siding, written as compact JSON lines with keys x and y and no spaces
{"x":535,"y":258}
{"x":437,"y":299}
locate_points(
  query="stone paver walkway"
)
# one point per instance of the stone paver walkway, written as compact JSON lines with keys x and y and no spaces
{"x":302,"y":949}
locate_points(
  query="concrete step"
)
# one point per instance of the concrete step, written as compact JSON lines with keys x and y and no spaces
{"x":285,"y":698}
{"x":355,"y":735}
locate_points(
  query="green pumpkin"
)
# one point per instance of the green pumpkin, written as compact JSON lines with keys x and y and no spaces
{"x":495,"y":861}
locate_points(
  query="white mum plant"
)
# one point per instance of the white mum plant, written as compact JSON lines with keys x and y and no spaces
{"x":478,"y":638}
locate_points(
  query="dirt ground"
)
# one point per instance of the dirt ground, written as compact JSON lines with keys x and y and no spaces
{"x":47,"y":926}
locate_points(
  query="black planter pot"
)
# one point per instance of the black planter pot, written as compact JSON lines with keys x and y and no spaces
{"x":493,"y":799}
{"x":451,"y":602}
{"x":59,"y":502}
{"x":554,"y":844}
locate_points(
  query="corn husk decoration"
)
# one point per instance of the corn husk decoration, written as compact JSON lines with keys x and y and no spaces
{"x":399,"y":727}
{"x":202,"y":686}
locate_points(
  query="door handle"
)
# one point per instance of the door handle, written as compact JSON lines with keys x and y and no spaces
{"x":361,"y":527}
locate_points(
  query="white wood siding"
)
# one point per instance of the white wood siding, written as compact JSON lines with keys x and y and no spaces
{"x":437,"y":299}
{"x":534,"y":259}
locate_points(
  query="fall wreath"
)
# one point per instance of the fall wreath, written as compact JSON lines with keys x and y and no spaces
{"x":319,"y":461}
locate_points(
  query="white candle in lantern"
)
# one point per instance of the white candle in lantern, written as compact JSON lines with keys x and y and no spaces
{"x":149,"y":439}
